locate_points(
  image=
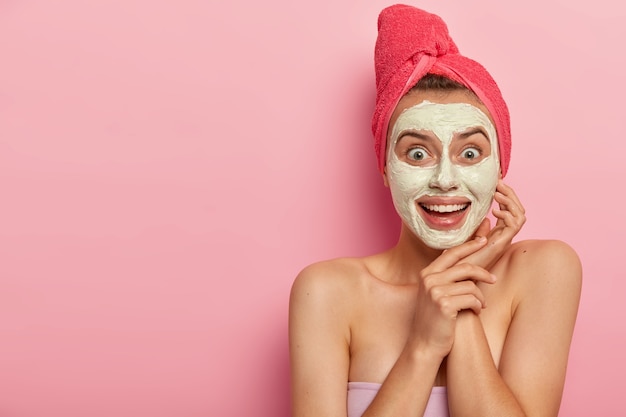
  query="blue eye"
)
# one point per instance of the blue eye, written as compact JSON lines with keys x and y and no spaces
{"x":471,"y":153}
{"x":417,"y":154}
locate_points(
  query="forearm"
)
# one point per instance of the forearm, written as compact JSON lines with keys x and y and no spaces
{"x":407,"y":388}
{"x":475,"y":388}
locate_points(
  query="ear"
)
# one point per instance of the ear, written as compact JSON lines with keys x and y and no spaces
{"x":384,"y":175}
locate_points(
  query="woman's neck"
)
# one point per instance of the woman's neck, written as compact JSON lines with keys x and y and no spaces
{"x":402,"y":263}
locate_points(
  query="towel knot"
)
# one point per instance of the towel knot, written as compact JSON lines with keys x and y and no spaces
{"x":405,"y":35}
{"x":437,"y":44}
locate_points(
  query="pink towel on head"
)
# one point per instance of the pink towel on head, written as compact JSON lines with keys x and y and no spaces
{"x":412,"y":43}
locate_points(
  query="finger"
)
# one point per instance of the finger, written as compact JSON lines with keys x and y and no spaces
{"x":450,"y":257}
{"x":509,"y":220}
{"x":483,"y":228}
{"x":508,"y":205}
{"x":458,"y":289}
{"x":463,"y":271}
{"x":510,"y":193}
{"x":488,"y":255}
{"x":498,"y":239}
{"x":450,"y":306}
{"x":499,"y":222}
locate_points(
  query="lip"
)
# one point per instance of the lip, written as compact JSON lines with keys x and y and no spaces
{"x":451,"y":220}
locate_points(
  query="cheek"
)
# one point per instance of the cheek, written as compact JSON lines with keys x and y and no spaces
{"x":481,"y":179}
{"x":411,"y":181}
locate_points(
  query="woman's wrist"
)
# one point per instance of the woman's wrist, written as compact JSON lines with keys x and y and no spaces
{"x":420,"y":352}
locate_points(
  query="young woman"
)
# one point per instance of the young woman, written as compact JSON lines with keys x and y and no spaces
{"x":455,"y":319}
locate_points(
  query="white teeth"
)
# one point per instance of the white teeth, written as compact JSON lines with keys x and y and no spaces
{"x":445,"y":208}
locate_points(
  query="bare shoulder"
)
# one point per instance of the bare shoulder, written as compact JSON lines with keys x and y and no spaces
{"x":545,"y":267}
{"x":544,"y":256}
{"x":333,"y":281}
{"x":332,"y":269}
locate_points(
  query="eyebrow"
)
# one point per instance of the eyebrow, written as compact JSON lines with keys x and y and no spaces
{"x":462,"y":135}
{"x":414,"y":134}
{"x":473,"y":131}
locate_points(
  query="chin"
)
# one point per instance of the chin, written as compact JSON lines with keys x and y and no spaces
{"x":447,"y":244}
{"x":442,"y":239}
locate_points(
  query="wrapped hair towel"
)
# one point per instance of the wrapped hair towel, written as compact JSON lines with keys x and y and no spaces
{"x":412,"y":43}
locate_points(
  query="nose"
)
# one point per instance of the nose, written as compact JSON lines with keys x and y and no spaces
{"x":445,"y":177}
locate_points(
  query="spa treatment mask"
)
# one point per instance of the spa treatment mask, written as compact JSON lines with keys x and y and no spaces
{"x":442,"y":169}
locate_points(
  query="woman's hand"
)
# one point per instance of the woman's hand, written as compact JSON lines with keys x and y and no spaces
{"x":510,"y":218}
{"x":447,"y":286}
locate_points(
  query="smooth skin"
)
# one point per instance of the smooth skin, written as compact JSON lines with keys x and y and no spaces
{"x":490,"y":319}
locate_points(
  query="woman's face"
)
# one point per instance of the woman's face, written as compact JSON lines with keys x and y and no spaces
{"x":442,"y":165}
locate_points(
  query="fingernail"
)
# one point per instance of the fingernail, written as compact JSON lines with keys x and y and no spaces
{"x":493,"y":278}
{"x":481,"y":239}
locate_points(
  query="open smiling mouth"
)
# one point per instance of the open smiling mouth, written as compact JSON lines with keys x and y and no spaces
{"x":444,"y":216}
{"x":444,"y":209}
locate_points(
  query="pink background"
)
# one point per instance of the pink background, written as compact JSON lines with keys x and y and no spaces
{"x":167,"y":168}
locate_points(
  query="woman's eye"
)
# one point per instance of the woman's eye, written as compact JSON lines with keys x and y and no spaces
{"x":417,"y":154}
{"x":470,"y":153}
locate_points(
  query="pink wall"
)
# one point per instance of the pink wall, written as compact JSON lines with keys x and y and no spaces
{"x":166,"y":169}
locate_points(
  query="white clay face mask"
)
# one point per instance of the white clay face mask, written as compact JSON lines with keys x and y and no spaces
{"x":444,"y":200}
